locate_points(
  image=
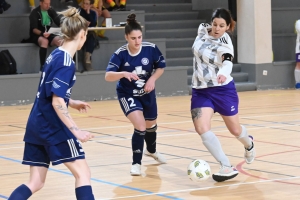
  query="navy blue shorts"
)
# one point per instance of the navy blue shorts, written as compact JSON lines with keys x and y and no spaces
{"x":222,"y":99}
{"x":146,"y":104}
{"x":40,"y":155}
{"x":297,"y":57}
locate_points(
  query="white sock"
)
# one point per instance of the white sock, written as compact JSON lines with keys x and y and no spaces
{"x":297,"y":75}
{"x":213,"y":145}
{"x":244,"y":138}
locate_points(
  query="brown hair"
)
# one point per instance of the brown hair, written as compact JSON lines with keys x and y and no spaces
{"x":132,"y":24}
{"x":226,"y":15}
{"x":72,"y":23}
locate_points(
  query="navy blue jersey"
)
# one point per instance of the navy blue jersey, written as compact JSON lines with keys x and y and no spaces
{"x":142,"y":63}
{"x":44,"y":126}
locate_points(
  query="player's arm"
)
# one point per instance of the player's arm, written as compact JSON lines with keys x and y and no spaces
{"x":62,"y":112}
{"x":79,"y":105}
{"x":115,"y":76}
{"x":150,"y":84}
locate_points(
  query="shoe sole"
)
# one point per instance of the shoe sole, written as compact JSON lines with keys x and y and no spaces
{"x":223,"y":178}
{"x":134,"y":174}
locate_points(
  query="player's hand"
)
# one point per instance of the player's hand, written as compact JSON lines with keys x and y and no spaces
{"x":221,"y":79}
{"x":150,"y":85}
{"x":46,"y":35}
{"x":83,"y":136}
{"x":130,"y":76}
{"x":79,"y":105}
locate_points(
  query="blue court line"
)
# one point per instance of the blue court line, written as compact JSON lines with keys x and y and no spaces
{"x":101,"y":181}
{"x":3,"y":197}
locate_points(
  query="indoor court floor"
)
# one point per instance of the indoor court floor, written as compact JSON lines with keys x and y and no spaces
{"x":271,"y":116}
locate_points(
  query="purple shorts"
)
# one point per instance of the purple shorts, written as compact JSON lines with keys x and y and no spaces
{"x":297,"y":57}
{"x":222,"y":99}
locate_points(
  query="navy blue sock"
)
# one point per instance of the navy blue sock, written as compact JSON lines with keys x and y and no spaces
{"x":150,"y":139}
{"x":84,"y":193}
{"x":20,"y":193}
{"x":137,"y":144}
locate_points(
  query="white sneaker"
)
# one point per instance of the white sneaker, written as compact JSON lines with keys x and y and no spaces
{"x":250,"y":154}
{"x":157,"y":156}
{"x":225,"y":173}
{"x":135,"y":170}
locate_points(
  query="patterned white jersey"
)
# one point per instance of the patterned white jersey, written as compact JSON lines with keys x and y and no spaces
{"x":297,"y":28}
{"x":207,"y":62}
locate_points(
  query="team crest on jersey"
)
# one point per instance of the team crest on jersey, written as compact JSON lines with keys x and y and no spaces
{"x":145,"y":61}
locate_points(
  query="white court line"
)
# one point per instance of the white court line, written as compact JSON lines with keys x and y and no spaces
{"x":203,"y":188}
{"x":13,"y":147}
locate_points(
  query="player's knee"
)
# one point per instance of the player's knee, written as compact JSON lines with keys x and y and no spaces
{"x":35,"y":185}
{"x":202,"y":129}
{"x":44,"y":43}
{"x":152,"y":129}
{"x":236,"y":131}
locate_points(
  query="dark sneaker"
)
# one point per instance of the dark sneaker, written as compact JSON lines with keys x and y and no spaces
{"x":225,"y":173}
{"x":122,"y":8}
{"x":113,"y":8}
{"x":6,"y":6}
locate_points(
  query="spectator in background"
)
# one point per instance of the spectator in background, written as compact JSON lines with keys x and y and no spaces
{"x":119,"y":5}
{"x":103,"y":12}
{"x":89,"y":45}
{"x":31,"y":4}
{"x":4,"y":6}
{"x":297,"y":68}
{"x":41,"y":20}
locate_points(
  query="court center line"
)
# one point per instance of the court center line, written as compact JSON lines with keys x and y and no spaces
{"x":100,"y":181}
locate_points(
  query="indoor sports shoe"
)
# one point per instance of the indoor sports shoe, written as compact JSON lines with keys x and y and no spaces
{"x":250,"y":153}
{"x":157,"y":156}
{"x":225,"y":173}
{"x":135,"y":170}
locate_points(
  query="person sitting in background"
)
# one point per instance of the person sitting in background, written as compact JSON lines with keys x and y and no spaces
{"x":119,"y":5}
{"x":31,"y":4}
{"x":4,"y":6}
{"x":89,"y":45}
{"x":297,"y":67}
{"x":103,"y":12}
{"x":41,"y":20}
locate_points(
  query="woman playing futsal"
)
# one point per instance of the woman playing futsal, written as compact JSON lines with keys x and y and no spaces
{"x":213,"y":90}
{"x":51,"y":134}
{"x":136,"y":66}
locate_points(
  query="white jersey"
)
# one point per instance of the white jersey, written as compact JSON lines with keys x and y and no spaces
{"x":207,"y":60}
{"x":297,"y":28}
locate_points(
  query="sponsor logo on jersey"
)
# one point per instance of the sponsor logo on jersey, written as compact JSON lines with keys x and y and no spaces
{"x":126,"y":64}
{"x":145,"y":61}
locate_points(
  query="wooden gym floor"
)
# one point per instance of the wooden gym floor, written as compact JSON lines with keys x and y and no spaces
{"x":272,"y":117}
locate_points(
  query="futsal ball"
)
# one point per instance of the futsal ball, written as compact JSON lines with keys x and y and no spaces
{"x":198,"y":170}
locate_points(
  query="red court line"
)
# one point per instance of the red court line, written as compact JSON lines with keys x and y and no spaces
{"x":240,"y":168}
{"x":177,"y":129}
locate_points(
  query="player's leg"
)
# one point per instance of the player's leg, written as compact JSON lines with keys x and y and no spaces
{"x":150,"y":115}
{"x":202,"y":109}
{"x":35,"y":156}
{"x":82,"y":175}
{"x":297,"y":71}
{"x":71,"y":154}
{"x":43,"y":44}
{"x":240,"y":132}
{"x":133,"y":110}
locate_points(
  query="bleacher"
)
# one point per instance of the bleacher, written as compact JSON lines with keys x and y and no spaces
{"x":21,"y":88}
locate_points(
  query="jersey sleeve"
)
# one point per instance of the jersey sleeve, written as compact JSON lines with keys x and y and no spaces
{"x":297,"y":26}
{"x":114,"y":63}
{"x":226,"y":47}
{"x":61,"y":81}
{"x":159,"y":60}
{"x":202,"y":29}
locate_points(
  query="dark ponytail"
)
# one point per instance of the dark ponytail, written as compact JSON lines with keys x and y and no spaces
{"x":132,"y":24}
